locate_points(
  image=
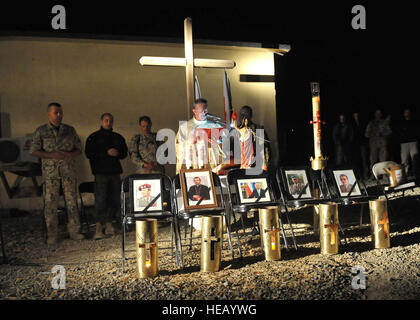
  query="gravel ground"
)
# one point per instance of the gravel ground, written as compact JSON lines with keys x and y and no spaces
{"x":93,"y":268}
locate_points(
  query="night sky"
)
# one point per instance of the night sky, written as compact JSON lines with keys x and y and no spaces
{"x":358,"y":69}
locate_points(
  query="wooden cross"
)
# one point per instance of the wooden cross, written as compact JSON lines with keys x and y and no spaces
{"x":272,"y":233}
{"x":213,"y":240}
{"x":385,"y":223}
{"x":188,"y":62}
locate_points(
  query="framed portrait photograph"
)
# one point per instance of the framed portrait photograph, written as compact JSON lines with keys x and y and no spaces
{"x":146,"y":195}
{"x":346,"y":183}
{"x":253,"y":190}
{"x":198,"y":190}
{"x":298,"y":184}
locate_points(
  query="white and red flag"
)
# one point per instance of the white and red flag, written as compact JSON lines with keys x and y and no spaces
{"x":227,"y":100}
{"x":197,"y":90}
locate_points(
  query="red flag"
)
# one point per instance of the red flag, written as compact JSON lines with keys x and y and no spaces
{"x":234,"y":115}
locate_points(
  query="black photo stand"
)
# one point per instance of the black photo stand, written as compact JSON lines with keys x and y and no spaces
{"x":129,"y":215}
{"x":236,"y":206}
{"x":314,"y":181}
{"x":191,"y":213}
{"x":350,"y":198}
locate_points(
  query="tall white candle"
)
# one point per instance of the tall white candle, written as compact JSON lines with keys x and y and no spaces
{"x":317,"y":126}
{"x":188,"y":155}
{"x":200,"y":151}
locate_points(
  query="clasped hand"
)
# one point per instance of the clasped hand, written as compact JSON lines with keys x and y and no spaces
{"x":113,"y":152}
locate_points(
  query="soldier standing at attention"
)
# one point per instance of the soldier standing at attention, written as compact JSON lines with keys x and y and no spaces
{"x":105,"y":149}
{"x":378,"y":131}
{"x":57,"y":144}
{"x":143,"y":147}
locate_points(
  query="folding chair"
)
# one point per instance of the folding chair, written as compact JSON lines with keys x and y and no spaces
{"x":187,"y":214}
{"x":129,"y":214}
{"x":238,"y":206}
{"x":297,"y":185}
{"x":389,"y":192}
{"x":85,"y":187}
{"x":348,"y":189}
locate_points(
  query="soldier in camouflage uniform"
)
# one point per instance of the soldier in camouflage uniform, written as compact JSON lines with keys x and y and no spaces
{"x":57,"y":144}
{"x":143,"y":147}
{"x":378,"y":131}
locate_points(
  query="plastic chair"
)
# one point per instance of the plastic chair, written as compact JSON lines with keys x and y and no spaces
{"x":128,"y":216}
{"x":188,"y":214}
{"x":389,"y":192}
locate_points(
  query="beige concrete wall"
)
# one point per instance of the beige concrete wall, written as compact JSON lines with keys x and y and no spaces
{"x":90,"y":77}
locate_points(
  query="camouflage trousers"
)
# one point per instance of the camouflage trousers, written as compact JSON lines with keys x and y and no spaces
{"x":51,"y":197}
{"x":378,"y":151}
{"x":107,"y":197}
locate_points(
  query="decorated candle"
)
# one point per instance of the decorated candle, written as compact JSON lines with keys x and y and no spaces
{"x":200,"y":152}
{"x":188,"y":155}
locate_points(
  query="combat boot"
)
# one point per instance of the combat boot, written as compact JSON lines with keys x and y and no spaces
{"x":74,"y":230}
{"x":76,"y":236}
{"x":109,"y":229}
{"x":98,"y":233}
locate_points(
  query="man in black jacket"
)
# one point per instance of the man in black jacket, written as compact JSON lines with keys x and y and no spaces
{"x":343,"y":138}
{"x":105,"y":149}
{"x":360,"y":146}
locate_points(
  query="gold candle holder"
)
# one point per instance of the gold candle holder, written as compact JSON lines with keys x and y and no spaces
{"x":319,"y":163}
{"x":379,"y":223}
{"x":211,"y":240}
{"x":146,"y":248}
{"x":316,"y":214}
{"x":328,"y":220}
{"x":270,"y":231}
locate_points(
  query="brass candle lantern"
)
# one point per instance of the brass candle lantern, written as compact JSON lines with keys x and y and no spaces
{"x":211,"y":243}
{"x":146,"y":248}
{"x":379,"y":223}
{"x":270,"y":232}
{"x":319,"y":162}
{"x":328,"y":220}
{"x":316,"y":214}
{"x":396,"y":174}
